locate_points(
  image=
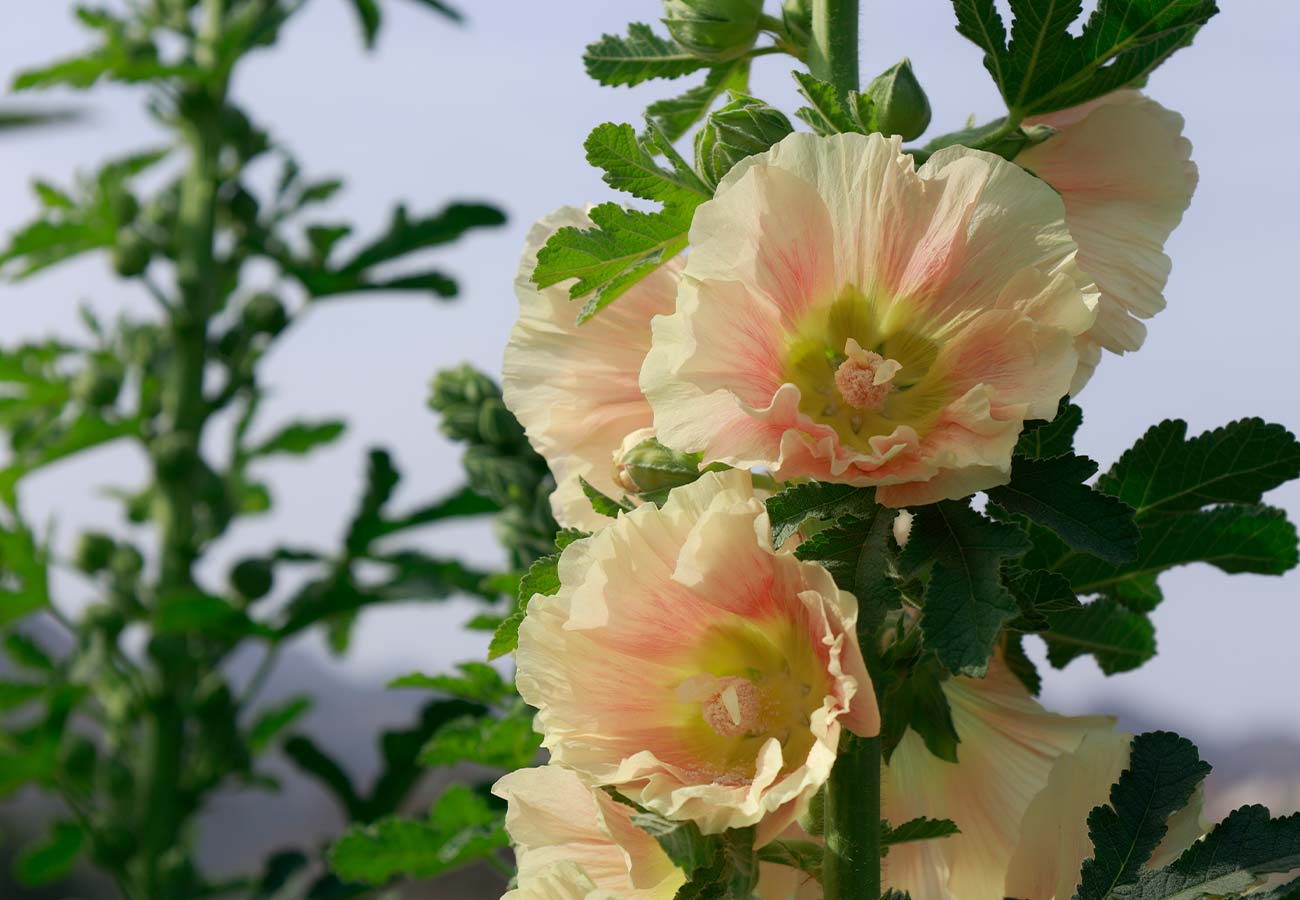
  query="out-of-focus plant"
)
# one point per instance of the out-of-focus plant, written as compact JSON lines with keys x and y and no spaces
{"x":131,"y":717}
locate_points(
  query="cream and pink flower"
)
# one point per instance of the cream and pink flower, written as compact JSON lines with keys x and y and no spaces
{"x":1020,"y":792}
{"x":686,"y":662}
{"x":845,"y":316}
{"x":568,"y":837}
{"x":574,"y":387}
{"x":1124,"y":171}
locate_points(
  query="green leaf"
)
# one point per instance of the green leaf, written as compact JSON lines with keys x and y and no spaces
{"x":806,"y":856}
{"x":477,"y":682}
{"x":23,"y":651}
{"x":1164,"y":472}
{"x":369,"y":17}
{"x":461,"y":829}
{"x":918,"y":702}
{"x":681,"y":840}
{"x":1044,"y":439}
{"x":829,"y":112}
{"x":676,"y":115}
{"x":1052,"y":492}
{"x":1121,"y":639}
{"x":1233,"y":858}
{"x":640,"y":56}
{"x":1256,"y":539}
{"x":308,"y":757}
{"x":274,"y":720}
{"x":730,"y":872}
{"x":1044,"y":67}
{"x":1039,"y":593}
{"x":858,"y":551}
{"x":1163,"y":772}
{"x":543,"y":577}
{"x":508,"y":743}
{"x":789,"y":509}
{"x":54,"y":859}
{"x":300,"y":438}
{"x":624,"y":246}
{"x":15,"y":694}
{"x":630,"y":167}
{"x":1021,"y":665}
{"x":966,"y":603}
{"x":193,"y":611}
{"x":602,"y":503}
{"x":921,"y":829}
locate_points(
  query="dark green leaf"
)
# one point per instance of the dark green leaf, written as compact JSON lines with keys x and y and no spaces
{"x":1052,"y":493}
{"x":966,"y":603}
{"x":369,"y":17}
{"x":919,"y":703}
{"x":1242,"y":849}
{"x":921,"y":829}
{"x":731,"y":872}
{"x":15,"y":694}
{"x":52,"y":860}
{"x":1163,"y":772}
{"x":542,"y":578}
{"x":1039,"y":593}
{"x":803,"y":855}
{"x":315,"y":762}
{"x":1043,"y":439}
{"x":23,"y":651}
{"x":602,"y":503}
{"x":1021,"y":665}
{"x":1044,"y":67}
{"x":816,"y":500}
{"x":461,"y":829}
{"x":859,"y":553}
{"x":1164,"y":472}
{"x":300,"y":438}
{"x":196,"y":612}
{"x":477,"y":681}
{"x":1121,"y":639}
{"x":640,"y":56}
{"x":274,"y":720}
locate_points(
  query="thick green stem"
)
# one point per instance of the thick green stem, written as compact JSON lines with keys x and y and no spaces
{"x":178,"y":466}
{"x":833,"y":53}
{"x":851,"y":868}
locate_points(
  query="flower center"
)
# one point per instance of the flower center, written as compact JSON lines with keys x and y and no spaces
{"x":865,"y":378}
{"x":729,"y":705}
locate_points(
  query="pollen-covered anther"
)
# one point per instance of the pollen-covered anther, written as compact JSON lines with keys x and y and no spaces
{"x":865,"y":378}
{"x":729,"y":705}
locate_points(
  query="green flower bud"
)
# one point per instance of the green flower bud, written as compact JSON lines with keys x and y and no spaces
{"x":252,"y":578}
{"x":742,"y":128}
{"x":716,"y":30}
{"x":98,"y":385}
{"x":127,"y":563}
{"x":130,"y":254}
{"x":650,"y":466}
{"x":497,"y":425}
{"x":125,"y":208}
{"x":464,"y":384}
{"x":901,"y":105}
{"x":94,"y":552}
{"x":460,"y":422}
{"x":505,"y":478}
{"x":264,"y":314}
{"x":797,"y":16}
{"x":172,"y":454}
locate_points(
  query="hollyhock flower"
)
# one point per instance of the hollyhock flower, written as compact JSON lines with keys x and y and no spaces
{"x":1020,"y":792}
{"x":574,"y":387}
{"x":1125,"y":173}
{"x":554,"y":819}
{"x":845,"y":316}
{"x":690,"y":665}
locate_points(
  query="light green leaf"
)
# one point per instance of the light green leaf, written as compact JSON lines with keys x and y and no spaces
{"x":642,"y":55}
{"x":676,"y":115}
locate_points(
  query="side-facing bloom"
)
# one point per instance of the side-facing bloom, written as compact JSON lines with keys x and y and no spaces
{"x":1021,"y":791}
{"x":848,"y":317}
{"x":1124,"y":171}
{"x":685,"y":662}
{"x":554,"y":819}
{"x":574,"y":387}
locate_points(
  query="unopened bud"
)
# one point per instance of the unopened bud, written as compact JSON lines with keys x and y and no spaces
{"x":643,"y":464}
{"x":903,"y":527}
{"x":716,"y":30}
{"x":742,"y":128}
{"x":902,"y":107}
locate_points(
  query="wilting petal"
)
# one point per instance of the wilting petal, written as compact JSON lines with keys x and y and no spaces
{"x":693,"y":667}
{"x":1124,"y":170}
{"x":1009,"y":745}
{"x":846,"y":317}
{"x":574,"y":387}
{"x":553,"y":818}
{"x":1054,"y":838}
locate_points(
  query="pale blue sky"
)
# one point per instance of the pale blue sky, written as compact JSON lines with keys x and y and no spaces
{"x":499,"y":109}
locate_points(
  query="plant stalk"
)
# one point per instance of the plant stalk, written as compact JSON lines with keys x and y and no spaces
{"x":851,"y":867}
{"x":833,"y":53}
{"x":178,"y":466}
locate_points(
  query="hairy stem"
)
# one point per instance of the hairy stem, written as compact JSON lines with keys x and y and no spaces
{"x":851,"y":869}
{"x":833,"y":53}
{"x":178,"y":466}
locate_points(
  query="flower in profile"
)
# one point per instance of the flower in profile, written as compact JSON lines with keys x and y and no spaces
{"x":1124,"y":171}
{"x":567,"y":836}
{"x":685,"y":662}
{"x":845,"y":316}
{"x":574,"y":387}
{"x":1021,"y":791}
